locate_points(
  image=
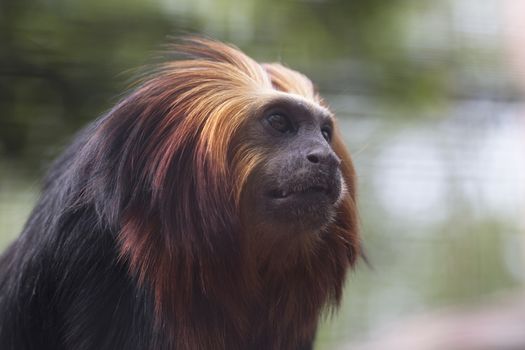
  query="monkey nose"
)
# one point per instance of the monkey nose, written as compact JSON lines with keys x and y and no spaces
{"x":323,"y":156}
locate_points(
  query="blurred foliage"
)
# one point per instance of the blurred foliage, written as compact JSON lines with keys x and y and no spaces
{"x":63,"y":62}
{"x":59,"y":60}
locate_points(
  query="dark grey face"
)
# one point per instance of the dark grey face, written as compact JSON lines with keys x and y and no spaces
{"x":300,"y":183}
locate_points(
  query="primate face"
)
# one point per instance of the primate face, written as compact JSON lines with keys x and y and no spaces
{"x":299,"y":184}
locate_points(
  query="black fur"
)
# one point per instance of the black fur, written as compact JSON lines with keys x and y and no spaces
{"x":62,"y":285}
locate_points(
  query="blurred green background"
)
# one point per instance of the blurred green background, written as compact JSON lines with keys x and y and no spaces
{"x":427,"y":96}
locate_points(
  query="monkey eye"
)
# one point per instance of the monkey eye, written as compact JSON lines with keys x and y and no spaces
{"x":280,"y":122}
{"x":327,"y":133}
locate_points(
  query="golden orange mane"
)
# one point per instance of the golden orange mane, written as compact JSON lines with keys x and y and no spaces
{"x":180,"y":230}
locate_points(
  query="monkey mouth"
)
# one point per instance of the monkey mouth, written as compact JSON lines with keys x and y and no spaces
{"x":308,"y":203}
{"x":313,"y":190}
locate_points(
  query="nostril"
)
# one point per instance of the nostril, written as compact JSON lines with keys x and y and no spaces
{"x":323,"y":157}
{"x":313,"y":158}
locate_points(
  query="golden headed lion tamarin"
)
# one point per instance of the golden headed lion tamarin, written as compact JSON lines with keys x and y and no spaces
{"x":211,"y":208}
